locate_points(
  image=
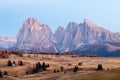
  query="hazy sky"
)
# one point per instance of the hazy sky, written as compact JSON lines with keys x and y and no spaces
{"x":105,"y":13}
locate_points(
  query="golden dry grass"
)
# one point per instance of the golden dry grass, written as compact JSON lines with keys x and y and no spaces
{"x":89,"y":64}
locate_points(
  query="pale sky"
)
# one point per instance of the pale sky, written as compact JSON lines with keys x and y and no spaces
{"x":105,"y":13}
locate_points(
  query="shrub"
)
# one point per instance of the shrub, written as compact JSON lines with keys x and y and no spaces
{"x":39,"y":65}
{"x":28,"y":55}
{"x":20,"y":63}
{"x":100,"y":67}
{"x":80,"y":63}
{"x":1,"y":75}
{"x":43,"y":66}
{"x":47,"y":66}
{"x":75,"y":69}
{"x":9,"y":63}
{"x":5,"y":73}
{"x":27,"y":72}
{"x":54,"y":71}
{"x":61,"y":68}
{"x":69,"y":64}
{"x":14,"y":63}
{"x":58,"y":71}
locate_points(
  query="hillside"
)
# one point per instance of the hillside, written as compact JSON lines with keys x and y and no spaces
{"x":88,"y":67}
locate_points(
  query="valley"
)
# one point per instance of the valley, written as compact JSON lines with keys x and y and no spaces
{"x":87,"y":68}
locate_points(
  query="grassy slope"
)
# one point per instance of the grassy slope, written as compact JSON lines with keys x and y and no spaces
{"x":99,"y":75}
{"x":56,"y":62}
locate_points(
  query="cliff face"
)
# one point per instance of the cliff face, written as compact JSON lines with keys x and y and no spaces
{"x":34,"y":36}
{"x":85,"y":33}
{"x":37,"y":37}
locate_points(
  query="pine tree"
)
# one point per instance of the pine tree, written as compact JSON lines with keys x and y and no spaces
{"x":43,"y":66}
{"x":9,"y":63}
{"x":5,"y":73}
{"x":54,"y":71}
{"x":20,"y":63}
{"x":75,"y":69}
{"x":61,"y":68}
{"x":47,"y":66}
{"x":39,"y":65}
{"x":1,"y":75}
{"x":100,"y":67}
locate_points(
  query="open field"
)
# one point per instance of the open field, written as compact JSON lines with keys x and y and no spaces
{"x":86,"y":70}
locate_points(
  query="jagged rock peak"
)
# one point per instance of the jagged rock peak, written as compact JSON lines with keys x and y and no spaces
{"x":60,"y":28}
{"x":72,"y":23}
{"x":89,"y":23}
{"x":71,"y":26}
{"x":31,"y":20}
{"x":31,"y":23}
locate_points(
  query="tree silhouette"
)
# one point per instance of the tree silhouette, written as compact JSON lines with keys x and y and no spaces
{"x":43,"y":66}
{"x":100,"y":67}
{"x":61,"y":68}
{"x":1,"y":75}
{"x":20,"y":63}
{"x":75,"y":69}
{"x":9,"y":63}
{"x":5,"y":73}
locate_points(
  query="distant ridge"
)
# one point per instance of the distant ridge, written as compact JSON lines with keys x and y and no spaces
{"x":37,"y":37}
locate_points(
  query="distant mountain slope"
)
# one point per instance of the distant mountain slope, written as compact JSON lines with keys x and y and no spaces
{"x":85,"y":33}
{"x":86,"y":37}
{"x":100,"y":49}
{"x":34,"y":36}
{"x":7,"y":42}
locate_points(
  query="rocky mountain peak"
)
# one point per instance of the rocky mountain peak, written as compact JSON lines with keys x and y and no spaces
{"x":88,"y":23}
{"x":71,"y":26}
{"x":60,"y":28}
{"x":35,"y":36}
{"x":31,"y":23}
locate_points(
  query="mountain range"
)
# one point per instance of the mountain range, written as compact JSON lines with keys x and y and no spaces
{"x":85,"y":37}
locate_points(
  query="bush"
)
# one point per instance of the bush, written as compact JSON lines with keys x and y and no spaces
{"x":47,"y":66}
{"x":38,"y":66}
{"x":43,"y":66}
{"x":54,"y":71}
{"x":1,"y":75}
{"x":100,"y":67}
{"x":69,"y":64}
{"x":80,"y":64}
{"x":9,"y":63}
{"x":61,"y":68}
{"x":28,"y":55}
{"x":20,"y":63}
{"x":14,"y":63}
{"x":58,"y":71}
{"x":75,"y":69}
{"x":5,"y":73}
{"x":27,"y":72}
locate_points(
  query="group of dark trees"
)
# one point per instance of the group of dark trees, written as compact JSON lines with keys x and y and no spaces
{"x":61,"y":69}
{"x":3,"y":74}
{"x":19,"y":53}
{"x":4,"y":53}
{"x":38,"y":67}
{"x":75,"y":69}
{"x":10,"y":63}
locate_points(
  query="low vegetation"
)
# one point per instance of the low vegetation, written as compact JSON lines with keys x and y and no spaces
{"x":50,"y":66}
